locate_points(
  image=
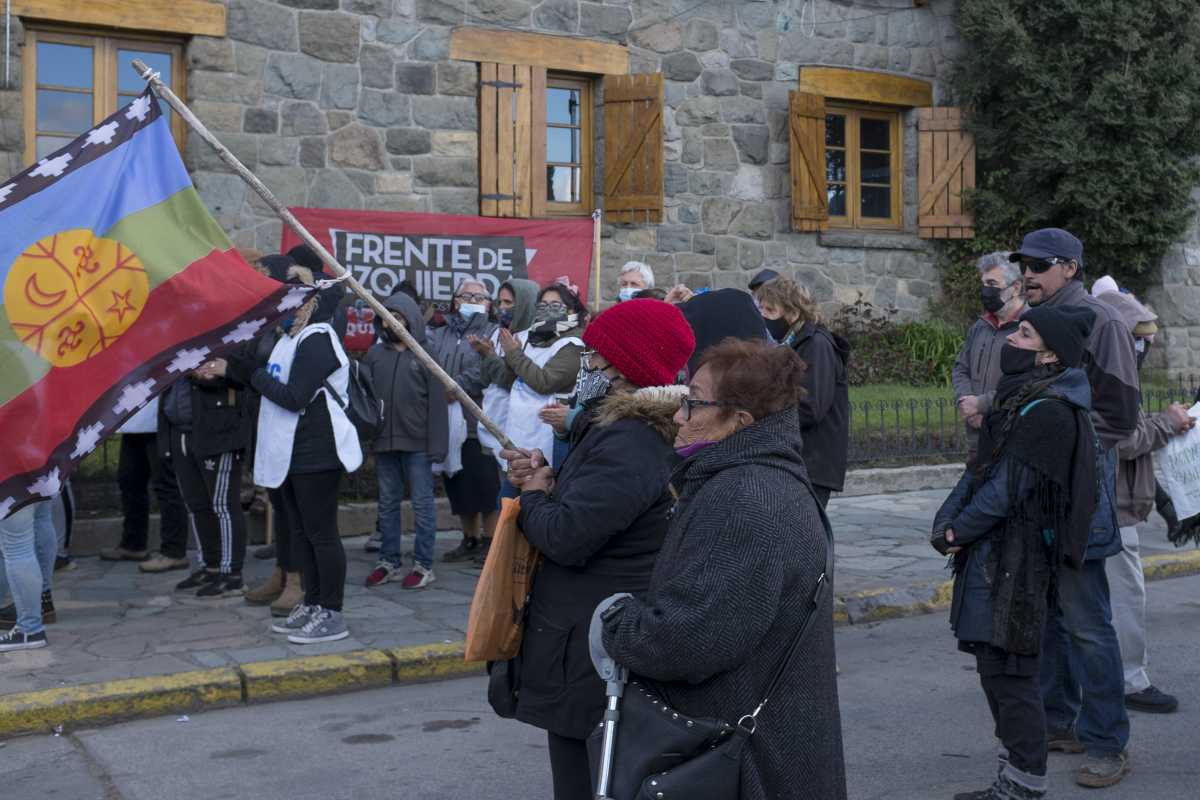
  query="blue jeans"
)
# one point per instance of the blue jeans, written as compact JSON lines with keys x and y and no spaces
{"x":1083,"y":680}
{"x":396,"y":469}
{"x":28,"y":544}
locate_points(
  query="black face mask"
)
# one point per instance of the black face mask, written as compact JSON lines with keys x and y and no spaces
{"x":1014,"y":361}
{"x":386,"y":333}
{"x":778,"y":328}
{"x":992,"y":298}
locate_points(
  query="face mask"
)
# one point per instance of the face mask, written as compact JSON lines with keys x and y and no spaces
{"x":592,"y":384}
{"x":627,"y":293}
{"x":1141,"y":347}
{"x":285,"y":324}
{"x":1014,"y":361}
{"x":689,"y":450}
{"x":387,"y":334}
{"x":505,"y":317}
{"x":469,"y":310}
{"x":778,"y":328}
{"x":992,"y":298}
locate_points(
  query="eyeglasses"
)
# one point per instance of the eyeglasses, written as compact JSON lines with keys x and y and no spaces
{"x":551,"y":307}
{"x":1039,"y":265}
{"x":686,"y":404}
{"x":474,"y":298}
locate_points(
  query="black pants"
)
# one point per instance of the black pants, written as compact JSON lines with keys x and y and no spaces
{"x":571,"y":769}
{"x":1014,"y":695}
{"x":285,"y":558}
{"x":822,"y":493}
{"x":311,"y":503}
{"x":211,"y":487}
{"x":138,"y":466}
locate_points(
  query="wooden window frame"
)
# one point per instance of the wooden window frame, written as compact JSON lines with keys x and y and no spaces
{"x":105,"y":99}
{"x":853,"y":218}
{"x":587,"y":144}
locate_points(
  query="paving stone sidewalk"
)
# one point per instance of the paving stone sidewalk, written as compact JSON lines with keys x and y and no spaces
{"x":116,"y":622}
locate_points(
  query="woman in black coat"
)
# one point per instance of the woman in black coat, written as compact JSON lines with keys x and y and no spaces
{"x":598,"y":522}
{"x":733,"y":583}
{"x":793,"y":321}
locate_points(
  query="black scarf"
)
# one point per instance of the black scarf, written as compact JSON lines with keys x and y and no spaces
{"x":1048,"y":528}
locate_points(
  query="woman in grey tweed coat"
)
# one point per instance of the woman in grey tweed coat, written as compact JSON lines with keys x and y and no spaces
{"x":731,"y":585}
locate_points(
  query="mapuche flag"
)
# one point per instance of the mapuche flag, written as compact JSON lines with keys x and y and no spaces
{"x":116,"y":282}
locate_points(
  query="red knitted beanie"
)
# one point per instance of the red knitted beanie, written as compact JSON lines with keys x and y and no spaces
{"x":648,"y":340}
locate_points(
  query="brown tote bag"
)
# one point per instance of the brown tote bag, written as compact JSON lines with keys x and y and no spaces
{"x":498,"y":608}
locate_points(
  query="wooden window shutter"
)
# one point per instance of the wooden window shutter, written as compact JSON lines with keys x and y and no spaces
{"x":633,"y":147}
{"x":810,"y":202}
{"x":945,"y":169}
{"x":509,"y":98}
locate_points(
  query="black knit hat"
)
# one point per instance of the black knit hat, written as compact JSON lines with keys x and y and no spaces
{"x":1064,"y":329}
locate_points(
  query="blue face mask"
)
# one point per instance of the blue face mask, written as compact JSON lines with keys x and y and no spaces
{"x":286,"y":323}
{"x":627,"y":293}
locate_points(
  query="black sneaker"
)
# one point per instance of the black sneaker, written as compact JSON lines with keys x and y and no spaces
{"x":465,"y":550}
{"x":224,"y":586}
{"x":1063,"y":742}
{"x":8,"y":614}
{"x":17,"y":639}
{"x":1151,"y":701}
{"x":64,"y":563}
{"x":482,"y":553}
{"x":197,"y":579}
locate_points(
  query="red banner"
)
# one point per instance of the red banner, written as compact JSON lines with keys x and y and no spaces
{"x":437,"y":252}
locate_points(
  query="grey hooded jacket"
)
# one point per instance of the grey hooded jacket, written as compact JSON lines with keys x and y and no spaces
{"x":449,"y":346}
{"x":415,"y":415}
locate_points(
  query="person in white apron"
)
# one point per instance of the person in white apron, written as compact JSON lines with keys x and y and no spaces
{"x":305,"y":445}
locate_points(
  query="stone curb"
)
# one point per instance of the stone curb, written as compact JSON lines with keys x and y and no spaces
{"x":286,"y":679}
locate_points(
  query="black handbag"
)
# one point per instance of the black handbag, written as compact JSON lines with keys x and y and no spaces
{"x":661,"y":754}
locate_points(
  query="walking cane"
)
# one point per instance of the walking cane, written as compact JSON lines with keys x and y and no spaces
{"x":615,"y":677}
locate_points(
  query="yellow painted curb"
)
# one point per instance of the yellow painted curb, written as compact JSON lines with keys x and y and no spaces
{"x":111,"y":701}
{"x":432,"y":662}
{"x":1171,"y":565}
{"x":311,"y":675}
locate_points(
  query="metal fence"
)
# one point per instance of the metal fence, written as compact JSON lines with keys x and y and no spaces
{"x":883,"y":433}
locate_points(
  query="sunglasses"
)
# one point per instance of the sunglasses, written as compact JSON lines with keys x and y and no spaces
{"x":1040,"y":265}
{"x":686,"y":404}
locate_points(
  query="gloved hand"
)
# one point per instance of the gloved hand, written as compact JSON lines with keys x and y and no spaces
{"x":606,"y":667}
{"x":1185,"y":532}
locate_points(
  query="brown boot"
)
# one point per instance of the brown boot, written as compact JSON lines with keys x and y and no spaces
{"x":269,"y":592}
{"x":293,"y":595}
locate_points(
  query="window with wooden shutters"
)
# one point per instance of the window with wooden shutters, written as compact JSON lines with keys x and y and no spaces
{"x":945,"y":171}
{"x":810,"y":201}
{"x":506,"y":137}
{"x":633,"y":148}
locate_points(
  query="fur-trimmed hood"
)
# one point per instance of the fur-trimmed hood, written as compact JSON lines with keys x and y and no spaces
{"x":654,"y":405}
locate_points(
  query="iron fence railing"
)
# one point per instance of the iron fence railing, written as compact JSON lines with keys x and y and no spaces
{"x":897,"y":432}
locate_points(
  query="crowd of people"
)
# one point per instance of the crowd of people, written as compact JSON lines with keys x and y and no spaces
{"x":673,"y":456}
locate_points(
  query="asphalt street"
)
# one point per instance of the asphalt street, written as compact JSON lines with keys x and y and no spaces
{"x":916,"y":728}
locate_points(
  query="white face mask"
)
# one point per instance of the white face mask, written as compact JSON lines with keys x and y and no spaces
{"x":627,"y":292}
{"x":469,"y":310}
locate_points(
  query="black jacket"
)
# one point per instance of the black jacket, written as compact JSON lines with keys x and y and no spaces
{"x":222,"y":417}
{"x":825,"y":410}
{"x":599,"y":531}
{"x":731,"y":587}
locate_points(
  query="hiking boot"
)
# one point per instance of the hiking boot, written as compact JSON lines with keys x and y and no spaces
{"x":64,"y":564}
{"x":296,"y":620}
{"x":293,"y":595}
{"x":1097,"y":772}
{"x":384,"y":571}
{"x":121,"y":554}
{"x":1151,"y":701}
{"x":374,"y":542}
{"x":160,"y":563}
{"x":419,"y":578}
{"x":225,"y":586}
{"x":8,"y":614}
{"x":325,"y":625}
{"x":484,"y":548}
{"x":1063,"y":742}
{"x":464,"y":552}
{"x":17,"y":639}
{"x":269,"y":592}
{"x":197,"y":579}
{"x":267,"y":551}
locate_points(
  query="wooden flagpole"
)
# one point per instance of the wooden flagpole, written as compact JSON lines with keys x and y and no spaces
{"x":290,"y":220}
{"x":596,"y":261}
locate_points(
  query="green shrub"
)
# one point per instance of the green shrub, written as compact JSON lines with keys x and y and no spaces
{"x":885,"y":351}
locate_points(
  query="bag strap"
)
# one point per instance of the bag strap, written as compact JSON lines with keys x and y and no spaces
{"x":748,"y":722}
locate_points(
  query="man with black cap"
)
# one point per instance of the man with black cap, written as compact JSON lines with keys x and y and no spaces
{"x":1085,"y":708}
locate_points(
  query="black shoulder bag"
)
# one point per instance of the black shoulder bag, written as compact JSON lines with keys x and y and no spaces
{"x":661,"y":754}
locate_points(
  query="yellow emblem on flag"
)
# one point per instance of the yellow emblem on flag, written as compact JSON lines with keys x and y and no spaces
{"x":72,"y":294}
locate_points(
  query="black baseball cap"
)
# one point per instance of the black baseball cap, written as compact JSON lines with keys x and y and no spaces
{"x":764,"y":276}
{"x":1050,"y":243}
